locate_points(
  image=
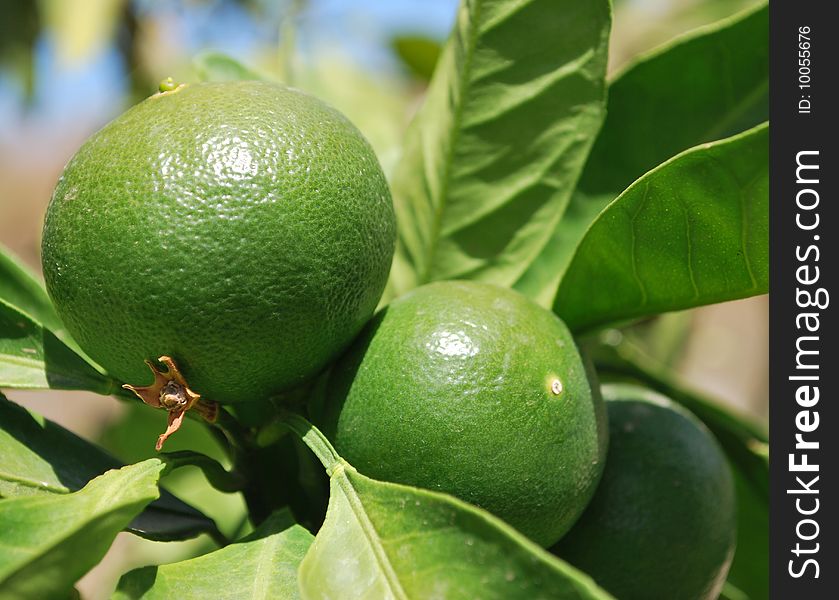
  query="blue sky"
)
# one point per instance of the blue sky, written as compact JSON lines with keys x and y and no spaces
{"x":358,"y":29}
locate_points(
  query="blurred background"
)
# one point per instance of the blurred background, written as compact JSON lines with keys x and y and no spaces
{"x":69,"y":66}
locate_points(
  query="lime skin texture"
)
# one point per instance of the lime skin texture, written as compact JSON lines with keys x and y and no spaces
{"x":473,"y":390}
{"x":243,"y":228}
{"x":662,"y":523}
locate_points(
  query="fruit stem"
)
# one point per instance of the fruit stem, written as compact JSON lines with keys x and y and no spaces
{"x":218,"y":537}
{"x":232,"y":430}
{"x":248,"y":462}
{"x":216,"y":475}
{"x":313,"y":438}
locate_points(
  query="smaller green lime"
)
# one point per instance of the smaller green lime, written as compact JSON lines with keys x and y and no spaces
{"x":473,"y":390}
{"x":662,"y":522}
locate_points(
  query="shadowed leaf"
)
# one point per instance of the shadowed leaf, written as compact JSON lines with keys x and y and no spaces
{"x":32,"y":357}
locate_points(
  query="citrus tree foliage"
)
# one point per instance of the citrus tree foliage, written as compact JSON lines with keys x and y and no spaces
{"x":605,"y":200}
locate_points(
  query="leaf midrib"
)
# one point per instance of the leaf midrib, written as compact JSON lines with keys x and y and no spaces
{"x":264,"y":554}
{"x":33,"y":483}
{"x":582,"y":326}
{"x":76,"y":527}
{"x":40,"y":366}
{"x":464,"y":85}
{"x":369,"y":531}
{"x":23,"y":361}
{"x":735,"y":112}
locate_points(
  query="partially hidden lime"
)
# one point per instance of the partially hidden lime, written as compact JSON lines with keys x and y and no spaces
{"x":662,"y":522}
{"x":245,"y":229}
{"x":474,"y":390}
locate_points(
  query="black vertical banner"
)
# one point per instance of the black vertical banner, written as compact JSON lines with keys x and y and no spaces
{"x":804,"y":412}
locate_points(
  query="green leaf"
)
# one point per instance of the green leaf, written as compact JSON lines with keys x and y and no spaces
{"x":216,"y":66}
{"x":709,"y":84}
{"x":32,"y":357}
{"x":418,"y":53}
{"x":492,"y":157}
{"x":262,"y":565}
{"x":383,"y":540}
{"x":50,"y":541}
{"x":693,"y":231}
{"x":650,"y":118}
{"x":38,"y":457}
{"x":21,"y":288}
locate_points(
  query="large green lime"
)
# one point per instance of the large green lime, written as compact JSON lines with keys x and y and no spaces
{"x":245,"y":229}
{"x":662,"y":522}
{"x":473,"y":390}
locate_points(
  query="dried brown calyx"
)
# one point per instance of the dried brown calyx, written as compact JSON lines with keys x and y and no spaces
{"x":171,"y":392}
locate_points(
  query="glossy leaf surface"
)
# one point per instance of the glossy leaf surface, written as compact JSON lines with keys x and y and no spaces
{"x":493,"y":155}
{"x":50,"y":541}
{"x":32,"y":357}
{"x":693,"y":231}
{"x":384,"y":540}
{"x":650,"y":118}
{"x":39,"y":457}
{"x":261,"y":566}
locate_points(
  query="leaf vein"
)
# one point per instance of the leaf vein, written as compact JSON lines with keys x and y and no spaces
{"x":634,"y":247}
{"x":463,"y":85}
{"x":689,"y":261}
{"x":744,"y":231}
{"x":32,"y":483}
{"x":370,"y":533}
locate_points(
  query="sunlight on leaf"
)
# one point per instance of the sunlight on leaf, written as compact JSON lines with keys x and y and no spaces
{"x":32,"y":357}
{"x":50,"y":541}
{"x":650,"y":118}
{"x":39,"y":457}
{"x":492,"y":156}
{"x":385,"y":540}
{"x":725,"y":67}
{"x":262,"y":565}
